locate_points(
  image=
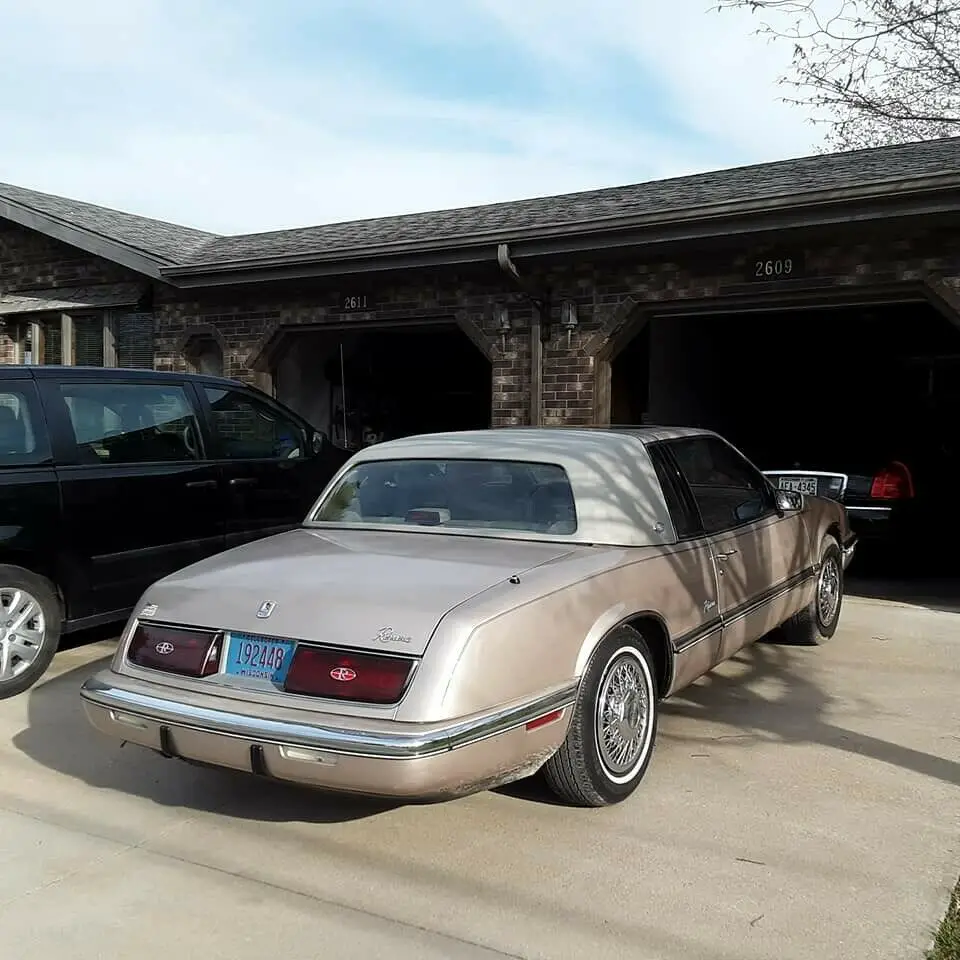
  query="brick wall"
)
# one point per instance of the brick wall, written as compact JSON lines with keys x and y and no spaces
{"x":608,"y":295}
{"x":30,"y":261}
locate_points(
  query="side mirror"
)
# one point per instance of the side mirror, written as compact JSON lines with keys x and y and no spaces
{"x":789,"y":501}
{"x":317,"y":441}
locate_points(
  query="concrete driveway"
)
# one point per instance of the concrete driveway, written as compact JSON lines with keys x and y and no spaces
{"x":802,"y":804}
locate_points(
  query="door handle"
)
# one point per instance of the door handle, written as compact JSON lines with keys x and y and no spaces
{"x":201,"y":484}
{"x":243,"y":482}
{"x":726,"y":554}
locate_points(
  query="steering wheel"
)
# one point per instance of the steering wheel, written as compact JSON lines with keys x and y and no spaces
{"x":190,"y":442}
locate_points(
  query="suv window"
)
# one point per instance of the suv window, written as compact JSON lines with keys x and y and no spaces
{"x":728,"y":490}
{"x":248,"y":428}
{"x":683,"y":510}
{"x":23,"y":440}
{"x":131,"y":422}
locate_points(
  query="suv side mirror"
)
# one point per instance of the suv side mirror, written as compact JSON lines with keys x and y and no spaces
{"x":317,"y":440}
{"x":789,"y":501}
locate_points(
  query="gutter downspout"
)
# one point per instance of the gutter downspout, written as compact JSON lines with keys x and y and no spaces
{"x":536,"y":339}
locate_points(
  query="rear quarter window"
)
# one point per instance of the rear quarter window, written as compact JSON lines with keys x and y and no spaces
{"x":23,"y":438}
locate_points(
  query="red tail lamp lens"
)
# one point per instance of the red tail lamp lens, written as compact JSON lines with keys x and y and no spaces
{"x":190,"y":653}
{"x":893,"y":482}
{"x":347,"y":676}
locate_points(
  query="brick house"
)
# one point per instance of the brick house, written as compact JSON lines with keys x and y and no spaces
{"x":612,"y":304}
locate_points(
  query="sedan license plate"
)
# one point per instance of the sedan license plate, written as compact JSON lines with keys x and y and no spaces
{"x":259,"y":658}
{"x":807,"y":485}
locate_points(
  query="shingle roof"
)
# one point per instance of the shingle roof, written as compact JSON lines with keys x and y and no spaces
{"x":153,"y":238}
{"x":70,"y":298}
{"x":524,"y":217}
{"x":185,"y":246}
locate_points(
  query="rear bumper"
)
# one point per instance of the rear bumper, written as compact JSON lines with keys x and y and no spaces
{"x":393,"y":759}
{"x":871,"y":523}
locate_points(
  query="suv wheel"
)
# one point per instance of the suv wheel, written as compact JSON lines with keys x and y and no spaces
{"x":29,"y":628}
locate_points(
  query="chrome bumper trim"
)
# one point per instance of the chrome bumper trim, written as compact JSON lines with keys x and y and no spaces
{"x":848,"y":551}
{"x":102,"y":690}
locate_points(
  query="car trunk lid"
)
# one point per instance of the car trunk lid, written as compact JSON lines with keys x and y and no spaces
{"x":351,"y":589}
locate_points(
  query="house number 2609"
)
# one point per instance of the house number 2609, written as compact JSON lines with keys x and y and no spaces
{"x":773,"y":268}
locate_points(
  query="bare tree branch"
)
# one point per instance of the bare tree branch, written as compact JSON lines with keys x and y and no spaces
{"x":875,"y":71}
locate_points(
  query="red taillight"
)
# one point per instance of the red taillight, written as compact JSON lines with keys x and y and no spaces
{"x":192,"y":653}
{"x":893,"y":482}
{"x":347,"y":676}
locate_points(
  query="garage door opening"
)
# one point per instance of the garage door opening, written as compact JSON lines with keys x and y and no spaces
{"x":363,"y":386}
{"x":851,"y":390}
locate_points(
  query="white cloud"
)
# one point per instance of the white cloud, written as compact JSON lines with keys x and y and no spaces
{"x":169,"y":108}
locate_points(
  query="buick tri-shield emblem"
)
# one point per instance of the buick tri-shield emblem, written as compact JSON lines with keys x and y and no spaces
{"x":266,"y":608}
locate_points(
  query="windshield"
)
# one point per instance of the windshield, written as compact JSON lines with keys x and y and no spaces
{"x":466,"y":494}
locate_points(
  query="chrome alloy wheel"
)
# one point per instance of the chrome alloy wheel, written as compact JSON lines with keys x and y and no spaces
{"x":22,"y":631}
{"x":828,"y":591}
{"x":623,"y":715}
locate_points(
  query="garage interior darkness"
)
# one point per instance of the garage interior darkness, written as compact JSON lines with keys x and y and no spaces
{"x":835,"y":388}
{"x":391,"y":383}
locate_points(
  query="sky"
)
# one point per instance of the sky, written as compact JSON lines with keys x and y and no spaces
{"x":237,"y":116}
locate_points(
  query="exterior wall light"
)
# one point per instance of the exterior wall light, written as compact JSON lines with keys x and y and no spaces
{"x":501,"y":318}
{"x":568,"y":317}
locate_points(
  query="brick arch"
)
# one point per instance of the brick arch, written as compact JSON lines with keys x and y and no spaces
{"x":202,"y":331}
{"x":622,"y":322}
{"x":268,"y":345}
{"x":192,"y":336}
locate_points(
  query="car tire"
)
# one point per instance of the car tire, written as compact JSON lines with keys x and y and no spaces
{"x":817,"y":622}
{"x":25,"y":657}
{"x":586,"y":771}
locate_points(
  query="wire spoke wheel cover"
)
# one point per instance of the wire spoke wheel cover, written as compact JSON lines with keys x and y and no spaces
{"x":22,"y":631}
{"x":828,"y":590}
{"x":623,"y":714}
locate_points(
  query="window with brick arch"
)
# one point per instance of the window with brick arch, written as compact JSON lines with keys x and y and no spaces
{"x":204,"y":355}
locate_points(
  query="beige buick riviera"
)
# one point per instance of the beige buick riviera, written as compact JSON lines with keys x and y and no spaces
{"x":461,"y":610}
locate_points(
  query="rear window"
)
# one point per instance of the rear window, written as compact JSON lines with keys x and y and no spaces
{"x":493,"y":495}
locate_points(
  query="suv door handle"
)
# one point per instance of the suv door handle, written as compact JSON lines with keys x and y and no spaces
{"x":726,"y":554}
{"x":201,"y":484}
{"x":243,"y":482}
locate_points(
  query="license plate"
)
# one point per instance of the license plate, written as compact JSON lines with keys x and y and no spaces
{"x":259,"y":658}
{"x":807,"y":485}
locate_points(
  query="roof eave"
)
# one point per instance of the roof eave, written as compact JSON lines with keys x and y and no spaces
{"x":921,"y":196}
{"x":83,"y":239}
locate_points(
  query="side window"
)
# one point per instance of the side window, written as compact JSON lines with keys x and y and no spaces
{"x":23,"y":439}
{"x":729,"y":492}
{"x":683,"y":511}
{"x":131,"y":422}
{"x":249,"y":429}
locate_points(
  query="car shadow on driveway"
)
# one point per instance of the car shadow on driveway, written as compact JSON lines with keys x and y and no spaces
{"x":798,"y":715}
{"x":59,"y":738}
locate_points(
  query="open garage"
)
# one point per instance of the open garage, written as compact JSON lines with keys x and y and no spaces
{"x":870,"y":389}
{"x":362,"y":385}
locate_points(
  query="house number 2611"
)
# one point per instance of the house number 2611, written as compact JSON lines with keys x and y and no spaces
{"x":355,"y":303}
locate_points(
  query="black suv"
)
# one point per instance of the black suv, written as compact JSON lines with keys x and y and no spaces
{"x":113,"y":478}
